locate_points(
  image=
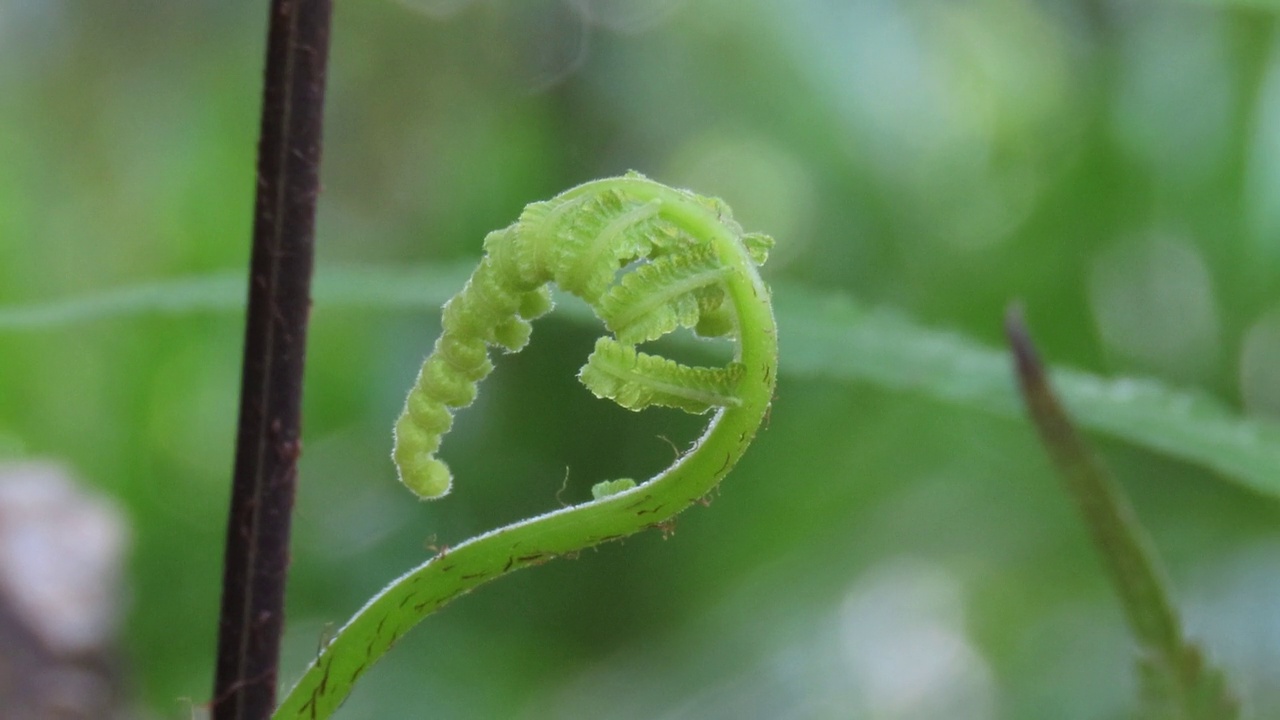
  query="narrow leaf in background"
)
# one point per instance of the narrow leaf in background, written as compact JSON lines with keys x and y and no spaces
{"x":1176,"y":681}
{"x":829,"y":336}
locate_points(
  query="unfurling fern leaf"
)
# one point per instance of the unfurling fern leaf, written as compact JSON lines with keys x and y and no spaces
{"x":648,"y":259}
{"x":661,"y":296}
{"x":635,"y":380}
{"x":672,"y":276}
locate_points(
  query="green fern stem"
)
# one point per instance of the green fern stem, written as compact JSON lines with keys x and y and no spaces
{"x":698,"y":270}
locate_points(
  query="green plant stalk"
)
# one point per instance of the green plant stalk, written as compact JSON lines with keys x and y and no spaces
{"x":1177,"y":684}
{"x":652,"y":504}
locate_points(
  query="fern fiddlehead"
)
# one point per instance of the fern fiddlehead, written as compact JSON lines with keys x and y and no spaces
{"x":684,"y":263}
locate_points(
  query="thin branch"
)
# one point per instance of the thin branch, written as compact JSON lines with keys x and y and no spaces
{"x":268,"y":436}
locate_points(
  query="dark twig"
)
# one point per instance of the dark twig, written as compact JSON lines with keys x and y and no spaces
{"x":267,"y":440}
{"x":1176,"y":681}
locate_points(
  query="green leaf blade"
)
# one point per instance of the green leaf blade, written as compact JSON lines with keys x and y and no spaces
{"x":829,"y":338}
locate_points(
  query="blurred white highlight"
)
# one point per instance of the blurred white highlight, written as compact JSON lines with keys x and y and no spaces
{"x":1260,"y":367}
{"x":1154,"y":306}
{"x":902,"y":638}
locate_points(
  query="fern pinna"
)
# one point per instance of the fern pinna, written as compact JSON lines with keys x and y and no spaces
{"x":648,"y":259}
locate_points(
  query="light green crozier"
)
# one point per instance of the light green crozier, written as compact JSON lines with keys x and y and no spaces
{"x":649,"y":259}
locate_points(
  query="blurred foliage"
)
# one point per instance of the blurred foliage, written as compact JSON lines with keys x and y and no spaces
{"x":878,"y":554}
{"x":830,"y":336}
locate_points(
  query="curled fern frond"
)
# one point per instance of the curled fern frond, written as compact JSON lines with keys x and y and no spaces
{"x":649,"y":260}
{"x":621,"y":246}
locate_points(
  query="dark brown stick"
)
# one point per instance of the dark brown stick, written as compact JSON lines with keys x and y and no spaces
{"x":267,"y":440}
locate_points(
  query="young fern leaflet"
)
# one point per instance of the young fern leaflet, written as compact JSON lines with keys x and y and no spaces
{"x":685,"y":263}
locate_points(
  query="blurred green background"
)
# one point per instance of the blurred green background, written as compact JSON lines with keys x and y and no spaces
{"x":1115,"y":165}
